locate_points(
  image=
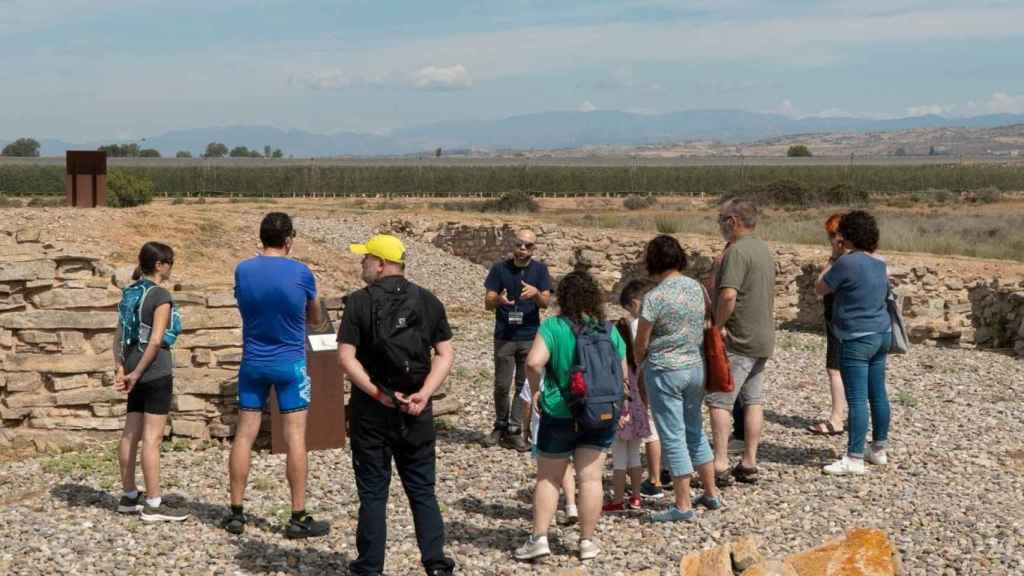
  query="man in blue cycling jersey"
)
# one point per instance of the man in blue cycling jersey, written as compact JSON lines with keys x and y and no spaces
{"x":277,"y":297}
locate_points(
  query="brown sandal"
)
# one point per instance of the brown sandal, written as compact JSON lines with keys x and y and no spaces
{"x":744,"y":474}
{"x":825,"y":428}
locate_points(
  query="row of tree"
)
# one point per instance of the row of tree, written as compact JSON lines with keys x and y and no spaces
{"x":29,"y":148}
{"x":219,"y":150}
{"x":213,"y":150}
{"x":22,"y":147}
{"x":129,"y":151}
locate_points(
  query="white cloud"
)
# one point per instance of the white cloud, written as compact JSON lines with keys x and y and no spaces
{"x":587,"y":106}
{"x":929,"y":109}
{"x":331,"y":80}
{"x":816,"y":39}
{"x":427,"y":78}
{"x":442,"y":78}
{"x":622,"y":78}
{"x":998,"y":103}
{"x":786,"y":108}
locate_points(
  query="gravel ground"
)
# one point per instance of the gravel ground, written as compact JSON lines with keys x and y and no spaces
{"x":952,"y":497}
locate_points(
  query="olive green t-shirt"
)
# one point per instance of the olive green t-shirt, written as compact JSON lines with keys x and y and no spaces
{"x":561,"y":342}
{"x":749,"y":268}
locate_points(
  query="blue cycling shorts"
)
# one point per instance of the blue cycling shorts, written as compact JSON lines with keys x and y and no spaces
{"x":290,"y":382}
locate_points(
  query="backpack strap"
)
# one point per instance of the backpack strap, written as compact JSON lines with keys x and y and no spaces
{"x":147,"y":287}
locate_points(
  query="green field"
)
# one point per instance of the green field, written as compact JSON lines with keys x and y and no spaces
{"x":200,"y":178}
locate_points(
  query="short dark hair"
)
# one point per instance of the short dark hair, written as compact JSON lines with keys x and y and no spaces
{"x":580,"y":295}
{"x":860,"y":229}
{"x":275,"y":229}
{"x":664,"y":253}
{"x":634,"y":290}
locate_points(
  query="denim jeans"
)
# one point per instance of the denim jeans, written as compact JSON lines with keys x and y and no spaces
{"x":862,"y":364}
{"x":378,"y":435}
{"x":677,"y":397}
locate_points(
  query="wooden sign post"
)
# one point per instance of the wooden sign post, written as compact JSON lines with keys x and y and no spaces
{"x":85,"y":178}
{"x":325,"y":423}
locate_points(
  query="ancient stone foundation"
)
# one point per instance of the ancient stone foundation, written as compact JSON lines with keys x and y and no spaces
{"x":58,"y":315}
{"x":57,"y":320}
{"x":941,"y":304}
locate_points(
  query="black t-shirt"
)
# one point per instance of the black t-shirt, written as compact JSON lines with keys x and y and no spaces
{"x":505,"y":275}
{"x":357,"y":326}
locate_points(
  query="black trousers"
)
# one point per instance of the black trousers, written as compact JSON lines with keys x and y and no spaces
{"x":738,"y":420}
{"x":378,"y":435}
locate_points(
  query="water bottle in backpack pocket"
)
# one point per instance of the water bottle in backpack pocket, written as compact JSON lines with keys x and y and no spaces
{"x":596,"y":390}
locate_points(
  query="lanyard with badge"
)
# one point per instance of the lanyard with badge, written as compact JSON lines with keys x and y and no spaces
{"x":515,"y":315}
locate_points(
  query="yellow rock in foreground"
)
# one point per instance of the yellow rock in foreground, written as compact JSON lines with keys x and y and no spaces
{"x":863,"y":552}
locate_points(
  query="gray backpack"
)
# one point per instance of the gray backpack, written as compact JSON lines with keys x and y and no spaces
{"x":596,"y":389}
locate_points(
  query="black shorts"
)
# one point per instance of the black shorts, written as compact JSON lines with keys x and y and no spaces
{"x":153,"y":397}
{"x":831,"y":349}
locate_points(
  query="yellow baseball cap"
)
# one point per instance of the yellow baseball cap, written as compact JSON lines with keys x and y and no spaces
{"x":383,"y":246}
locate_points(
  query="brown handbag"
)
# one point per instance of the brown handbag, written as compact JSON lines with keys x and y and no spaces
{"x":717,"y":374}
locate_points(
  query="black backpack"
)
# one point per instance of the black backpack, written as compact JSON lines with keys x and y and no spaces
{"x":400,"y":346}
{"x":598,"y":369}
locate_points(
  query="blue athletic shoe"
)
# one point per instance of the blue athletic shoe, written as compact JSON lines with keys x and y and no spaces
{"x":674,"y":514}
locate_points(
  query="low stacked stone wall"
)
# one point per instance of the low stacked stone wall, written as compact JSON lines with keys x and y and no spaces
{"x":942,"y":304}
{"x":57,"y":322}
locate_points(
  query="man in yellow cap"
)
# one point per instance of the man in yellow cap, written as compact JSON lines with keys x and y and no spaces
{"x":395,"y":348}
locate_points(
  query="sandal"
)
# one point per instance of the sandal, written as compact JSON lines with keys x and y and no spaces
{"x":825,"y":428}
{"x":723,"y":478}
{"x":744,"y":474}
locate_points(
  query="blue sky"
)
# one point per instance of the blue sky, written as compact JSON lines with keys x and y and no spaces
{"x":85,"y":70}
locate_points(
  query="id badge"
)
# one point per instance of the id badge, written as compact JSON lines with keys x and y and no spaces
{"x":515,"y":318}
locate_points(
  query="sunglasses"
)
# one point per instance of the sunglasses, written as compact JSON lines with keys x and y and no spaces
{"x":527,"y":245}
{"x":724,"y":219}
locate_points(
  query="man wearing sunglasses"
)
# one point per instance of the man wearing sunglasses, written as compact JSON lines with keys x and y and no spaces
{"x":517,"y":288}
{"x":745,"y":309}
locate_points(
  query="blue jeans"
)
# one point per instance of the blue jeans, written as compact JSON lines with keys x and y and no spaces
{"x":862,"y":364}
{"x":677,"y":397}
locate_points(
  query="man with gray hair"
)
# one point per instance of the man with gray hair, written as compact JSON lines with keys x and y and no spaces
{"x":745,"y":311}
{"x":517,"y":288}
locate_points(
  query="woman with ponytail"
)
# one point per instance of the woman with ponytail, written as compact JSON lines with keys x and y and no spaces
{"x":144,"y":369}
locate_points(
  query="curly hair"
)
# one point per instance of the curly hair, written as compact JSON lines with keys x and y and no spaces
{"x":578,"y":295}
{"x":832,"y":224}
{"x":860,"y":229}
{"x":664,"y":253}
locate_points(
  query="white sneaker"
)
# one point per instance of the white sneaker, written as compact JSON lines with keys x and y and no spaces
{"x":588,"y":550}
{"x":876,"y":457}
{"x":845,"y":466}
{"x":535,"y":547}
{"x":572,"y":514}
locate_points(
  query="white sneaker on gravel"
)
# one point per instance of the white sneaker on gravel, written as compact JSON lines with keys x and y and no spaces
{"x":876,"y":457}
{"x":572,"y":514}
{"x":535,"y":547}
{"x":844,"y":467}
{"x":588,"y":550}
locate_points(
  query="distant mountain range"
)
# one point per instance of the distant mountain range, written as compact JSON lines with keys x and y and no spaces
{"x":546,"y":130}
